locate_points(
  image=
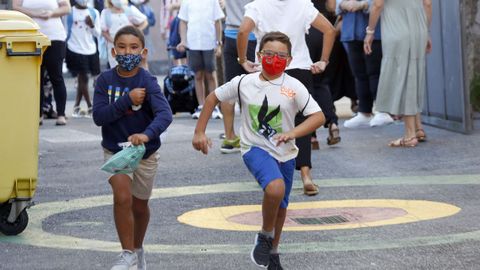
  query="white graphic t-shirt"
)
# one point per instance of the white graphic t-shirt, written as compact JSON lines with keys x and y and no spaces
{"x":268,"y":108}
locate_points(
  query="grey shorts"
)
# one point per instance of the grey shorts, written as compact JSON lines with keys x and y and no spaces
{"x":201,"y":60}
{"x":143,"y":177}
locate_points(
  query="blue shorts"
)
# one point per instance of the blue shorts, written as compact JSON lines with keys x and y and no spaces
{"x":266,"y":168}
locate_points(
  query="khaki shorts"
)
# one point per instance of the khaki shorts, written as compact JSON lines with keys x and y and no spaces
{"x":143,"y":177}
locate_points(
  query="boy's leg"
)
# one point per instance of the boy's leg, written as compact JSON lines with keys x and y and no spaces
{"x":122,"y":209}
{"x":141,"y":217}
{"x":268,"y":174}
{"x":208,"y":58}
{"x":83,"y":90}
{"x":142,"y":186}
{"x":274,"y":193}
{"x":211,"y":81}
{"x":280,"y":220}
{"x":196,"y":63}
{"x":228,"y":111}
{"x":200,"y":86}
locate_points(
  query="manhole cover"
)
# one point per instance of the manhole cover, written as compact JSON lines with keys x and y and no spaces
{"x":321,"y":220}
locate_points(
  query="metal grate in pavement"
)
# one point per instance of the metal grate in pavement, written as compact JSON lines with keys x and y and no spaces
{"x":321,"y":220}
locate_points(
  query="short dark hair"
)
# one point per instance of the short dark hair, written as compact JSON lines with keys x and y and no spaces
{"x":276,"y":36}
{"x":130,"y":30}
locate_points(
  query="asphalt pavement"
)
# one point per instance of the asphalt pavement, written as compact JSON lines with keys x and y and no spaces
{"x":378,"y":207}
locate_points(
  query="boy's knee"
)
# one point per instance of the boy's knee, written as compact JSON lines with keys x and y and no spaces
{"x":276,"y":188}
{"x":199,"y":75}
{"x":122,"y":200}
{"x":140,"y":210}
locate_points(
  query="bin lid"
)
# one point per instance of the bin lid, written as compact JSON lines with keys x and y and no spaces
{"x":17,"y":26}
{"x":14,"y":20}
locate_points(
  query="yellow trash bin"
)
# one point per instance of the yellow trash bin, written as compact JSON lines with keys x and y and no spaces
{"x":21,"y":49}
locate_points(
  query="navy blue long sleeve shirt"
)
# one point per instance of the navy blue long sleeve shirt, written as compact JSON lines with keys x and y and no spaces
{"x":112,"y":110}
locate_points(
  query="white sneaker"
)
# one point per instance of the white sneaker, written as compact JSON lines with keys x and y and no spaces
{"x":197,"y":112}
{"x":76,"y":112}
{"x":127,"y":260}
{"x":381,"y":119}
{"x":217,"y":114}
{"x":142,"y":263}
{"x":359,"y":121}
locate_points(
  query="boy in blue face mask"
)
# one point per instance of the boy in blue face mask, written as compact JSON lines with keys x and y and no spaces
{"x":129,"y":106}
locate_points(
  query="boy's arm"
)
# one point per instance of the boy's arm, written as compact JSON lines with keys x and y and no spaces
{"x":200,"y":141}
{"x":161,"y":111}
{"x":218,"y":41}
{"x":104,"y":112}
{"x":182,"y":31}
{"x":313,"y":122}
{"x":97,"y":29}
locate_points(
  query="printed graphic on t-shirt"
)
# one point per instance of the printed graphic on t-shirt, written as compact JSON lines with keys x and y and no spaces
{"x":115,"y":92}
{"x":266,"y":120}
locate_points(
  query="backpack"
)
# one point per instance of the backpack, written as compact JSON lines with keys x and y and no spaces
{"x":93,"y":14}
{"x":174,"y":37}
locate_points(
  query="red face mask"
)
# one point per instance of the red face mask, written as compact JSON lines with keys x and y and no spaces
{"x":273,"y":65}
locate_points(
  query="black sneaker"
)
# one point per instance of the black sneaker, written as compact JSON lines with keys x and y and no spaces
{"x":275,"y":262}
{"x":260,"y":254}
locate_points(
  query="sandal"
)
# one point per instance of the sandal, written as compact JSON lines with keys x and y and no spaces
{"x":420,"y":134}
{"x":333,"y":135}
{"x":403,"y":142}
{"x":310,"y":189}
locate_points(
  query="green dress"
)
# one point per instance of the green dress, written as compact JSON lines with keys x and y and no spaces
{"x":402,"y":83}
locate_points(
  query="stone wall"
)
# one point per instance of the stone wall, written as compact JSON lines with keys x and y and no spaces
{"x":471,"y":16}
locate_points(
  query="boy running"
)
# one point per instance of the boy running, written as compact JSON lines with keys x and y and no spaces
{"x":129,"y":106}
{"x":269,"y":99}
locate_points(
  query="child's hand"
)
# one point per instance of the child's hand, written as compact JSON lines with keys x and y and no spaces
{"x":201,"y":142}
{"x":283,"y":137}
{"x":89,"y":21}
{"x":318,"y":67}
{"x":137,"y":95}
{"x":137,"y":139}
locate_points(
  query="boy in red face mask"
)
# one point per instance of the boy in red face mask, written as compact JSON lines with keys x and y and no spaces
{"x":269,"y":99}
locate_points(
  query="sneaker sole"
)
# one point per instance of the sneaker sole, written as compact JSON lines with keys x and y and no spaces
{"x":251,"y":254}
{"x":360,"y":126}
{"x":229,"y":151}
{"x":381,"y":124}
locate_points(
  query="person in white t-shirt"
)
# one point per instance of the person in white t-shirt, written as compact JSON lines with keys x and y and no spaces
{"x":201,"y":32}
{"x":117,"y":14}
{"x":83,"y":26}
{"x":47,"y":14}
{"x":294,"y":18}
{"x":270,"y":100}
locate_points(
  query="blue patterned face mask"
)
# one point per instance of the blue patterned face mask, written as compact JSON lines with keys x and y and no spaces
{"x":129,"y":61}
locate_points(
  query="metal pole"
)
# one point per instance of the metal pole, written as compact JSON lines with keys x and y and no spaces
{"x":467,"y":107}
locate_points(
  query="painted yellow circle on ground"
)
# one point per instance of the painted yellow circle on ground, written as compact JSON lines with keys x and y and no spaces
{"x":221,"y":218}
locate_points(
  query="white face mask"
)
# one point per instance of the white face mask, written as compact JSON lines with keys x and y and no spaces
{"x":82,"y":3}
{"x":137,"y":2}
{"x":118,"y":3}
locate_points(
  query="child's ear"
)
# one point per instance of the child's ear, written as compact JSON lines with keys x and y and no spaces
{"x":113,"y":52}
{"x":289,"y":60}
{"x":259,"y":57}
{"x":144,"y":52}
